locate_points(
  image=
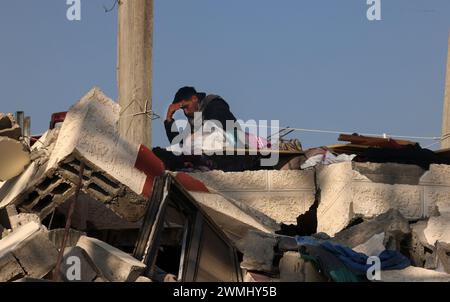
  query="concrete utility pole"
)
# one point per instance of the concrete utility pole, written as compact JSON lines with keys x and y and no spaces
{"x":134,"y":74}
{"x":445,"y":142}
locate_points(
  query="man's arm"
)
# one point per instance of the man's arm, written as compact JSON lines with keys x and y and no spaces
{"x":169,"y":121}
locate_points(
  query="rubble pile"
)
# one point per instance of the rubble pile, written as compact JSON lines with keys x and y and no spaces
{"x":83,"y":204}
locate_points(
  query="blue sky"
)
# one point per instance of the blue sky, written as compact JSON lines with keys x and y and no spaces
{"x":309,"y":63}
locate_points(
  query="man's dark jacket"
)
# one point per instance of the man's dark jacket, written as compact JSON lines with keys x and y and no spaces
{"x":212,"y":107}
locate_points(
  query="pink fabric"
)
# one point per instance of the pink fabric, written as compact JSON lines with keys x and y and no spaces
{"x":256,"y":142}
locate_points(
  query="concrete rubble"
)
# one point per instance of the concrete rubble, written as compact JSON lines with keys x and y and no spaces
{"x":259,"y":219}
{"x":15,"y":154}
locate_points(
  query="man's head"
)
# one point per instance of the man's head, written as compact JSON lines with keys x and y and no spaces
{"x":188,"y":99}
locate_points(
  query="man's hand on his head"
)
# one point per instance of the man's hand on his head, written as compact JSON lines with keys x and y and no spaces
{"x":172,"y":109}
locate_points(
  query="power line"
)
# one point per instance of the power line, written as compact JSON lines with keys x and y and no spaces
{"x":346,"y":132}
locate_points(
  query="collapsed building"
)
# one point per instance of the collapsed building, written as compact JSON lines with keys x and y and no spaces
{"x":83,"y":191}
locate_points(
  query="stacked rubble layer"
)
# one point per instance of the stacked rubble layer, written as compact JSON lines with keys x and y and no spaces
{"x":89,"y":136}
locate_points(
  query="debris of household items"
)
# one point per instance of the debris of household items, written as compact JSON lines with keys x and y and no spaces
{"x":343,"y":264}
{"x":348,"y":256}
{"x":385,"y":149}
{"x":114,"y":172}
{"x":215,"y":149}
{"x":325,"y":157}
{"x":14,"y":153}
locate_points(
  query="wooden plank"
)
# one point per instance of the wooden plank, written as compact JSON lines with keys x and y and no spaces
{"x":375,"y":141}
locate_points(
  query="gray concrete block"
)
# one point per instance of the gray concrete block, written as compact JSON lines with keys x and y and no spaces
{"x":37,"y":255}
{"x":77,"y":266}
{"x":10,"y":268}
{"x":258,"y":250}
{"x":391,"y":223}
{"x":113,"y":264}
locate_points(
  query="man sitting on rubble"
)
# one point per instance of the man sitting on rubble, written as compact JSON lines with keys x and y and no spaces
{"x":198,"y":109}
{"x":212,"y":108}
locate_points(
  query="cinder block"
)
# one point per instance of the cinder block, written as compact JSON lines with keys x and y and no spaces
{"x":36,"y":254}
{"x":10,"y":269}
{"x":77,"y":266}
{"x":31,"y":247}
{"x":112,"y":263}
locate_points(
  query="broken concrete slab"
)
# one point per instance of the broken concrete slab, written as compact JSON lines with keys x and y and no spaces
{"x":414,"y":274}
{"x":390,"y":173}
{"x":31,"y":247}
{"x":10,"y":242}
{"x":419,"y":246}
{"x":37,"y":255}
{"x":10,"y":268}
{"x":259,"y":251}
{"x":13,"y":158}
{"x":436,"y":229}
{"x":281,"y":195}
{"x":392,"y":224}
{"x":89,"y":135}
{"x":77,"y":266}
{"x":347,"y":194}
{"x":22,"y":219}
{"x":113,"y":264}
{"x":234,"y":217}
{"x":443,"y":257}
{"x":436,"y":186}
